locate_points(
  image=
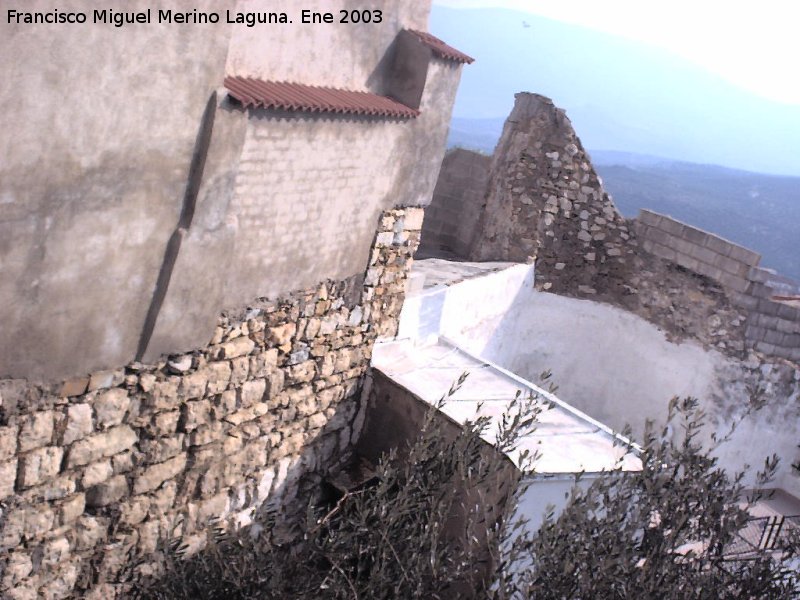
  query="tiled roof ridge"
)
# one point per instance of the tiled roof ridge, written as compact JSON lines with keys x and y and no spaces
{"x":286,"y":95}
{"x":440,"y":48}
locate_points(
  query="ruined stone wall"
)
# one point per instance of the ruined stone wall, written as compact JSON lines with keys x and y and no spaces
{"x":455,"y":209}
{"x":96,"y":470}
{"x":546,"y":202}
{"x":773,"y":327}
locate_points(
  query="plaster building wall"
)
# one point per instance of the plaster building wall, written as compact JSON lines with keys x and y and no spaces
{"x":452,"y":216}
{"x":94,"y":170}
{"x":120,"y":233}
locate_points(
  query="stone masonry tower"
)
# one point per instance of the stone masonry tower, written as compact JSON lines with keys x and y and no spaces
{"x":544,"y":201}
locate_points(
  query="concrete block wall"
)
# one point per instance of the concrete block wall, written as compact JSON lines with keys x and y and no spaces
{"x":773,"y":326}
{"x":453,"y":214}
{"x":96,"y":470}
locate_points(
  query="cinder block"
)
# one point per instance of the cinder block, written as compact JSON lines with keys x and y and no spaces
{"x":768,"y":307}
{"x":733,"y":282}
{"x":734,"y":267}
{"x":774,"y":337}
{"x":696,"y":236}
{"x":787,"y":311}
{"x":673,"y":227}
{"x":766,"y":348}
{"x":758,"y":274}
{"x":687,"y":262}
{"x":759,"y":290}
{"x":706,"y":269}
{"x":744,"y":300}
{"x":745,"y":255}
{"x":704,"y":255}
{"x":648,"y":217}
{"x":791,"y":340}
{"x":754,"y":333}
{"x":663,"y":251}
{"x":718,"y":245}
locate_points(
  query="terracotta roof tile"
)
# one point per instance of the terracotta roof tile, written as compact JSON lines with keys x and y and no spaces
{"x":440,"y":48}
{"x":310,"y":98}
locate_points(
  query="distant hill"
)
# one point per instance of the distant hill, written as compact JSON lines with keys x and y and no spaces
{"x":759,"y":211}
{"x":620,"y":94}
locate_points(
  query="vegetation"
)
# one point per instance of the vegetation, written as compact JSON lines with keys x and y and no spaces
{"x":660,"y":533}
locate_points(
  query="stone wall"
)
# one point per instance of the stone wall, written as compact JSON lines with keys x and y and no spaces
{"x":96,"y":470}
{"x":773,"y":326}
{"x":546,"y":202}
{"x":452,"y":216}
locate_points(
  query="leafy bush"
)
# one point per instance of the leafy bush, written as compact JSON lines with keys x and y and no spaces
{"x":433,"y":525}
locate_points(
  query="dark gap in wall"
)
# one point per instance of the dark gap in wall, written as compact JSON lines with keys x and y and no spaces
{"x":184,"y":222}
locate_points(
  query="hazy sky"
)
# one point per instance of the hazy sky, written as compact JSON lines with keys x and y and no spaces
{"x":754,"y":44}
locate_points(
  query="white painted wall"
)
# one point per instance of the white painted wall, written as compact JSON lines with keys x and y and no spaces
{"x":607,"y":362}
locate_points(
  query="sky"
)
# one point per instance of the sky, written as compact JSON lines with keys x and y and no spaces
{"x":754,"y":44}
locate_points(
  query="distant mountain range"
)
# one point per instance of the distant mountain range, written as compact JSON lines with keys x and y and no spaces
{"x":662,"y":122}
{"x":758,"y":211}
{"x":620,"y":94}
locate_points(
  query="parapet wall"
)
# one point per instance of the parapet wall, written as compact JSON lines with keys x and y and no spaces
{"x":95,"y":471}
{"x":773,"y":327}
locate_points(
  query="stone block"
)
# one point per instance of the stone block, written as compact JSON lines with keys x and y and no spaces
{"x":252,"y":392}
{"x":193,"y":385}
{"x":105,"y":379}
{"x":18,"y":567}
{"x":164,"y":394}
{"x":786,"y":311}
{"x":240,"y":370}
{"x":649,"y":218}
{"x":717,"y":245}
{"x":218,"y":376}
{"x":107,"y":493}
{"x":768,"y":307}
{"x":766,"y":348}
{"x":71,"y":508}
{"x":152,"y":477}
{"x":744,"y":301}
{"x":36,"y":430}
{"x":38,"y":466}
{"x":160,"y":449}
{"x":195,"y":414}
{"x":758,"y":274}
{"x":8,"y":478}
{"x":734,"y":267}
{"x":8,"y":441}
{"x":703,"y":254}
{"x":745,"y":255}
{"x":110,"y":407}
{"x":413,"y":219}
{"x":88,"y":532}
{"x":774,"y":337}
{"x":74,"y":387}
{"x":687,"y":262}
{"x":165,"y":423}
{"x":235,"y":348}
{"x":77,"y":423}
{"x":101,"y":445}
{"x":732,"y":282}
